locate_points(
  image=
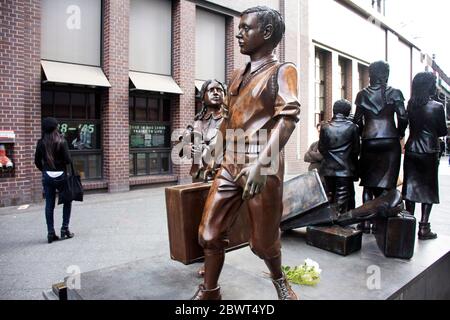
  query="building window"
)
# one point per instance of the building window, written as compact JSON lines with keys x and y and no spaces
{"x":209,"y":46}
{"x":342,"y":71}
{"x":149,"y":134}
{"x":150,"y":28}
{"x":78,"y":114}
{"x":320,"y":86}
{"x":363,"y":76}
{"x":71,"y":31}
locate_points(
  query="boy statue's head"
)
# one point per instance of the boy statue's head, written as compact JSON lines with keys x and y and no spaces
{"x":342,"y":107}
{"x":260,"y":30}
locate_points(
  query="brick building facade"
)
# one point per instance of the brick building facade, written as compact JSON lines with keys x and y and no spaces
{"x":23,"y":85}
{"x":20,"y":86}
{"x":118,"y":127}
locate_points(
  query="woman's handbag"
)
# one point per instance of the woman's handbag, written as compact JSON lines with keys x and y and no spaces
{"x":72,"y":189}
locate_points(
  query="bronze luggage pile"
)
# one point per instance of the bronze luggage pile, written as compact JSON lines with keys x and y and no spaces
{"x":306,"y":205}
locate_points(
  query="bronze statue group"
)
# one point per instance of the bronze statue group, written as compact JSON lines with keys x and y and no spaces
{"x":263,"y":96}
{"x":379,"y":149}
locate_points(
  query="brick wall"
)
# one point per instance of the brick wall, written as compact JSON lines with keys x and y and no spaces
{"x":282,"y":47}
{"x":115,"y":99}
{"x":328,"y":85}
{"x":239,"y":59}
{"x":20,"y":96}
{"x":20,"y":88}
{"x":183,"y":70}
{"x":349,"y":80}
{"x":230,"y":38}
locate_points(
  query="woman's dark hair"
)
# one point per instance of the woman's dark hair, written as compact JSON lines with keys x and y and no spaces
{"x":205,"y":86}
{"x":423,"y":88}
{"x":268,"y":16}
{"x":51,"y":139}
{"x":379,"y":74}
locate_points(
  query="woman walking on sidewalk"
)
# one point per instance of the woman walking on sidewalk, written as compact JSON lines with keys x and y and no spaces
{"x":51,"y":158}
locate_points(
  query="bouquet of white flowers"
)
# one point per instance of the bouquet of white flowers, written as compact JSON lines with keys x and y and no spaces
{"x":307,"y":274}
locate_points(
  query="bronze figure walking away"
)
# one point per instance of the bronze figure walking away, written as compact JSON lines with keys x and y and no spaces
{"x":427,"y":124}
{"x":376,"y":107}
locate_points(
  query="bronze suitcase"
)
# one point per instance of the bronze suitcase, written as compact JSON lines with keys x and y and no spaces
{"x":305,"y":203}
{"x":396,"y":235}
{"x":184,"y":205}
{"x":336,"y":239}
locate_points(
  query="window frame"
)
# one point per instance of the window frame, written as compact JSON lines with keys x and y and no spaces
{"x":320,"y":83}
{"x":159,"y":151}
{"x":97,"y":121}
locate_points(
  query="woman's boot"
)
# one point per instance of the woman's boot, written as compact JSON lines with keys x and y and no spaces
{"x":51,"y":236}
{"x":65,"y":233}
{"x":424,"y":226}
{"x":425,"y":231}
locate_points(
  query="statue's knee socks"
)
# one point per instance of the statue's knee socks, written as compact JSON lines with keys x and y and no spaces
{"x":214,"y":260}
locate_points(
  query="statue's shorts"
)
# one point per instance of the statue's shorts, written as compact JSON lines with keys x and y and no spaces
{"x":222,"y":207}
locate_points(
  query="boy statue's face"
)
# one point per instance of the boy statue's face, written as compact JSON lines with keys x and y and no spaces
{"x":250,"y":37}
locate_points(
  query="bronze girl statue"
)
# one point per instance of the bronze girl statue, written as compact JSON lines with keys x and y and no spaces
{"x":201,"y":135}
{"x":380,"y":158}
{"x":427,"y":124}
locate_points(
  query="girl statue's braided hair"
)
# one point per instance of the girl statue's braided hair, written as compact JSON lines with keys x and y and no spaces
{"x":379,"y":74}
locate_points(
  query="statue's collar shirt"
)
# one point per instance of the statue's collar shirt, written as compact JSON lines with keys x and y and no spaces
{"x":257,"y":65}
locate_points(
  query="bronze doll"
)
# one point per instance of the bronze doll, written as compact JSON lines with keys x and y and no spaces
{"x":427,"y":124}
{"x":262,"y":97}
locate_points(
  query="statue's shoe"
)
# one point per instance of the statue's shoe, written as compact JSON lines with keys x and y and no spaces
{"x":284,"y":290}
{"x":389,"y":204}
{"x":204,"y":294}
{"x":425,"y":232}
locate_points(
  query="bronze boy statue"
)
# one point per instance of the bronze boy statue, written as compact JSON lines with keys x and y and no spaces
{"x":262,"y":98}
{"x":339,"y":145}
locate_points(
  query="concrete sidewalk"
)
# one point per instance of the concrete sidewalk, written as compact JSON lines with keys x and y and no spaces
{"x":110,"y":229}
